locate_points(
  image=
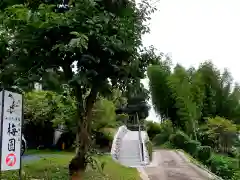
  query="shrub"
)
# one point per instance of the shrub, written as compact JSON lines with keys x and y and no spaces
{"x":236,"y":175}
{"x":179,"y":139}
{"x":167,"y":145}
{"x":104,"y":137}
{"x":153,"y":129}
{"x":223,"y":167}
{"x":160,"y":139}
{"x":204,"y":153}
{"x":192,"y":147}
{"x":233,"y":153}
{"x":165,"y":128}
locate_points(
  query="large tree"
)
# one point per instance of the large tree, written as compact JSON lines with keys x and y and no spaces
{"x":102,"y":38}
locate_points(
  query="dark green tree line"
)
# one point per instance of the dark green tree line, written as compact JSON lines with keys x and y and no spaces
{"x":189,"y":97}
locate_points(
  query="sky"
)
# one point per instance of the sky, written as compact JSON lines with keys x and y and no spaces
{"x":193,"y":31}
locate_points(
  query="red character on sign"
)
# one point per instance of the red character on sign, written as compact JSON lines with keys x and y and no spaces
{"x":11,"y":159}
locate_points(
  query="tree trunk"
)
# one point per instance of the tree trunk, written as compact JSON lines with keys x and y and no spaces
{"x":78,"y":164}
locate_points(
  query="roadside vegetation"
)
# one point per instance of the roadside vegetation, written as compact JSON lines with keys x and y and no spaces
{"x":199,"y":111}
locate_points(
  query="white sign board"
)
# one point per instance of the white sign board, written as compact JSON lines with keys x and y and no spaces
{"x":11,"y":131}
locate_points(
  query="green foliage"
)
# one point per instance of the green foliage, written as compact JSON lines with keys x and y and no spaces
{"x":36,"y":106}
{"x":118,"y":98}
{"x":158,"y":76}
{"x":167,"y":127}
{"x":223,"y":166}
{"x":179,"y":139}
{"x":82,"y":35}
{"x":159,"y":133}
{"x":192,"y":147}
{"x":104,"y":137}
{"x":42,"y":106}
{"x":180,"y":86}
{"x":103,"y":114}
{"x":153,"y":129}
{"x":163,"y":129}
{"x":167,"y":145}
{"x":188,"y":96}
{"x":236,"y":175}
{"x":222,"y":131}
{"x":234,"y":152}
{"x":160,"y":139}
{"x":204,"y":153}
{"x":182,"y":141}
{"x":109,"y":133}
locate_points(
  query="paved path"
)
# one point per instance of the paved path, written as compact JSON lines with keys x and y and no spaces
{"x":173,"y":166}
{"x":35,"y":157}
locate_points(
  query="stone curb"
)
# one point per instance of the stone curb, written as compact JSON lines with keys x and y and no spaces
{"x":154,"y":163}
{"x":200,"y":169}
{"x":143,"y":174}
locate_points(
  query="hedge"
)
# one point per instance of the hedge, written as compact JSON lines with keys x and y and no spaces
{"x":179,"y":140}
{"x":160,"y":139}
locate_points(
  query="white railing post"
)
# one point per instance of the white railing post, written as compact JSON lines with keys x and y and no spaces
{"x":140,"y":139}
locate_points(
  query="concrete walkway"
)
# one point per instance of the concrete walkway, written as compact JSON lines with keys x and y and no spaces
{"x":170,"y":165}
{"x":36,"y":157}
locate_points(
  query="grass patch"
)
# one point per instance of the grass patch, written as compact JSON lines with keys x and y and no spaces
{"x":56,"y":168}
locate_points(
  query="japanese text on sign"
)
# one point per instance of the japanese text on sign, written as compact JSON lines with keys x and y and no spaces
{"x":11,"y":131}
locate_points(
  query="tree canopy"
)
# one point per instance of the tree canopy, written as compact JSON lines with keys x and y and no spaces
{"x":196,"y":98}
{"x":92,"y":46}
{"x":204,"y":92}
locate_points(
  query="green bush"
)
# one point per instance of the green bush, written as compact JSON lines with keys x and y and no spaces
{"x":236,"y":176}
{"x":104,"y":137}
{"x":192,"y":147}
{"x":154,"y":129}
{"x":160,"y":139}
{"x":233,"y":153}
{"x":204,"y":153}
{"x":223,"y":167}
{"x":179,"y":140}
{"x":167,"y":145}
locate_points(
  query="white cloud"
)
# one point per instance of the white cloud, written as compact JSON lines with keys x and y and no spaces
{"x":197,"y":30}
